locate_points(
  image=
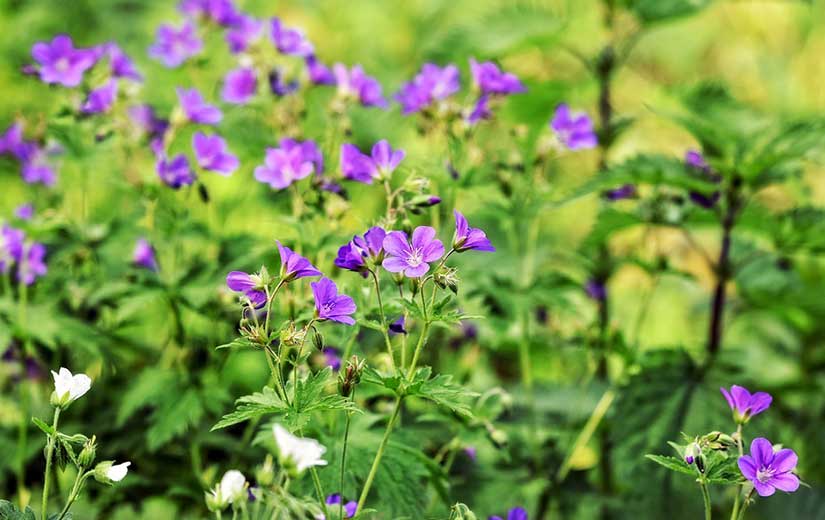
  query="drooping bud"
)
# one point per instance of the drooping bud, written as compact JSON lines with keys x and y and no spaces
{"x":447,"y":278}
{"x":350,"y":376}
{"x":692,"y":453}
{"x":318,"y":340}
{"x":87,"y":454}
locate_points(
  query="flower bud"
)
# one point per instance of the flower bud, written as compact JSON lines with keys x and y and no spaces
{"x":87,"y":454}
{"x":107,"y":472}
{"x":214,"y":500}
{"x":318,"y":340}
{"x":447,"y":278}
{"x":692,"y":452}
{"x":265,"y":475}
{"x":350,"y":376}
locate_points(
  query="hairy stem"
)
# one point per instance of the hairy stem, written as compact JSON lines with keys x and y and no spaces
{"x":723,"y":275}
{"x":734,"y":514}
{"x":384,"y":329}
{"x":706,"y":499}
{"x":379,"y":454}
{"x":49,"y":453}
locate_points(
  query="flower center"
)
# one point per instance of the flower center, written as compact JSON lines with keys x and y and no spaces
{"x":328,"y":307}
{"x":764,"y":474}
{"x":62,"y":64}
{"x":415,"y":258}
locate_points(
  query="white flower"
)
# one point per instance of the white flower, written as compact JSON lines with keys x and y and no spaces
{"x":303,"y":453}
{"x":233,"y":486}
{"x":68,"y":387}
{"x":116,"y":472}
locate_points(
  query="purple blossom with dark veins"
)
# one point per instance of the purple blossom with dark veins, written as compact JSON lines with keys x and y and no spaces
{"x":293,"y":265}
{"x":595,"y":290}
{"x":288,"y":40}
{"x":398,"y":326}
{"x":432,"y":83}
{"x":490,"y":79}
{"x":350,"y":508}
{"x":319,"y":74}
{"x":30,"y":265}
{"x":60,"y":62}
{"x":769,"y":470}
{"x":144,"y":255}
{"x":24,"y":211}
{"x":279,"y":86}
{"x":243,"y":32}
{"x":100,"y":99}
{"x":144,"y":117}
{"x":175,"y":173}
{"x":517,"y":513}
{"x":212,"y":154}
{"x":197,"y":110}
{"x":249,"y":285}
{"x":332,"y":358}
{"x":355,"y":84}
{"x":467,"y":238}
{"x":481,"y":110}
{"x":412,"y":257}
{"x":353,"y":255}
{"x":121,"y":65}
{"x":291,"y":161}
{"x":574,"y":129}
{"x":239,"y":86}
{"x":11,"y":246}
{"x":329,"y":305}
{"x":626,"y":191}
{"x":744,"y":404}
{"x":174,"y":46}
{"x":381,"y":162}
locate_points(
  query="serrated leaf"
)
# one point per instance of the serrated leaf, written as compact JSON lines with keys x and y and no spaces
{"x":655,"y":11}
{"x":672,"y":463}
{"x":442,"y":391}
{"x":151,"y":387}
{"x":45,"y":428}
{"x":248,"y":407}
{"x":9,"y":511}
{"x":237,"y":343}
{"x":173,"y":417}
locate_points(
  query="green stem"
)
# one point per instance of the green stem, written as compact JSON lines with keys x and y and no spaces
{"x":380,"y":453}
{"x":706,"y":499}
{"x":78,"y":481}
{"x":344,"y":461}
{"x":734,"y":514}
{"x":319,"y":490}
{"x":384,"y":329}
{"x":49,"y":453}
{"x":744,"y":506}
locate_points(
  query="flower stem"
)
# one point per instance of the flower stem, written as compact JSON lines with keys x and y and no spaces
{"x":380,"y":453}
{"x":706,"y":499}
{"x":744,"y":506}
{"x":344,"y":461}
{"x":319,"y":490}
{"x":734,"y":514}
{"x":78,"y":482}
{"x":49,"y":453}
{"x":384,"y":329}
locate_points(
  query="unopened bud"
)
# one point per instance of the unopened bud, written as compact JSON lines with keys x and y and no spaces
{"x":265,"y":474}
{"x":318,"y":340}
{"x":87,"y":454}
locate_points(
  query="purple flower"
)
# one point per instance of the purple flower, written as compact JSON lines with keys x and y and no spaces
{"x":30,"y":265}
{"x":744,"y":404}
{"x":100,"y":99}
{"x":293,"y":265}
{"x":471,"y":452}
{"x":467,"y":238}
{"x":705,"y":201}
{"x":251,"y":286}
{"x":12,"y":140}
{"x":291,"y":161}
{"x":350,"y":507}
{"x":196,"y":108}
{"x":212,"y":154}
{"x":695,"y":159}
{"x":144,"y":255}
{"x":175,"y":173}
{"x":481,"y":110}
{"x":239,"y":86}
{"x":626,"y":191}
{"x":769,"y":470}
{"x":222,"y":12}
{"x":490,"y":79}
{"x":332,"y":359}
{"x":412,"y":257}
{"x":243,"y":32}
{"x":279,"y":86}
{"x":289,"y":41}
{"x":144,"y":117}
{"x":362,"y":168}
{"x":595,"y":290}
{"x":353,"y":255}
{"x":121,"y":65}
{"x":174,"y":46}
{"x":431,"y":84}
{"x":60,"y":62}
{"x":354,"y":84}
{"x":517,"y":513}
{"x":35,"y":167}
{"x":319,"y":74}
{"x":397,"y":327}
{"x":11,"y":247}
{"x":24,"y":211}
{"x":574,"y":129}
{"x":329,"y":305}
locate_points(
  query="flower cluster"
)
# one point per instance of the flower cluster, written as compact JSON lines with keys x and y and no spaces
{"x":28,"y":256}
{"x":34,"y":159}
{"x":291,"y":161}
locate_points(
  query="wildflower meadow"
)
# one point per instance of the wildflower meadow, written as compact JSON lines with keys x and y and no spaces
{"x":477,"y":259}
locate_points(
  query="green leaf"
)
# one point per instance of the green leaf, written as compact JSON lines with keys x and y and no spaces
{"x":45,"y":428}
{"x":673,"y":464}
{"x":9,"y":511}
{"x":173,"y":417}
{"x":151,"y":387}
{"x":251,"y":406}
{"x":442,"y":391}
{"x":655,"y":11}
{"x":722,"y":468}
